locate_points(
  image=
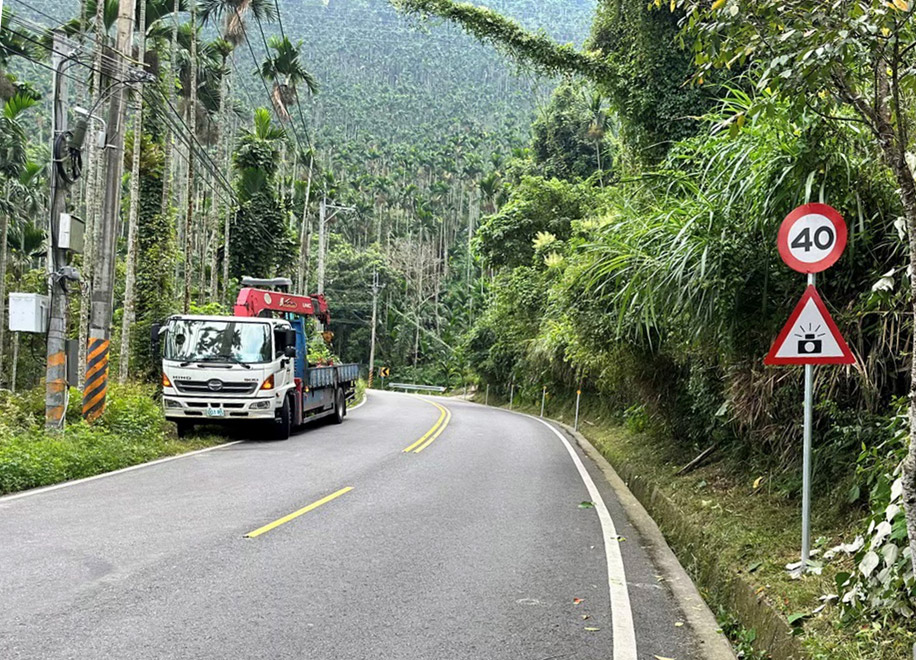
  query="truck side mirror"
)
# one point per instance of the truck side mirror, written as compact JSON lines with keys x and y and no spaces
{"x":290,"y":351}
{"x":289,"y":337}
{"x":155,"y":332}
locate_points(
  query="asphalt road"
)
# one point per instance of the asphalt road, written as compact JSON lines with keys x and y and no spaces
{"x":474,"y":547}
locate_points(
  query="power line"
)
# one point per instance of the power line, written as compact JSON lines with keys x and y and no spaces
{"x":267,"y":54}
{"x":113,"y":57}
{"x":305,"y":129}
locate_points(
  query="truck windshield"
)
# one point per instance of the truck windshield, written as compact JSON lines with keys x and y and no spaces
{"x":218,"y":341}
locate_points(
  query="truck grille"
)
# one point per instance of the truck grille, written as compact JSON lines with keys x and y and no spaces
{"x":214,"y":387}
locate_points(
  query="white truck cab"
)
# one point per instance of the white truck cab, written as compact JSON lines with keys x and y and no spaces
{"x":217,"y":368}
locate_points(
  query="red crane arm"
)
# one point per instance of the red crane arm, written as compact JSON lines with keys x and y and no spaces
{"x":254,"y":302}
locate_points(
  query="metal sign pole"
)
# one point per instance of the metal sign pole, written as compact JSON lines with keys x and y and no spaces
{"x":806,"y":459}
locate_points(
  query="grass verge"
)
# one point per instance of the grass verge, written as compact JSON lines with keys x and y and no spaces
{"x":132,"y":430}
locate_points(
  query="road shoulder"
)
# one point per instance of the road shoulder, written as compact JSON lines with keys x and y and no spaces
{"x":698,"y":617}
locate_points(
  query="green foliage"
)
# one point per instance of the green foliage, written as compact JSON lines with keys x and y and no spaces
{"x":156,"y":256}
{"x":132,"y":430}
{"x":536,"y":205}
{"x":882,"y":586}
{"x":649,"y":71}
{"x":259,"y":240}
{"x":535,"y":49}
{"x":563,"y":146}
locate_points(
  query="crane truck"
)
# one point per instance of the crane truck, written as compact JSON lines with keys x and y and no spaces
{"x":252,"y":366}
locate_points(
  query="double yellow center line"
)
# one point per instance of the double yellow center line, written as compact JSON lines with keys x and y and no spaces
{"x":430,"y":436}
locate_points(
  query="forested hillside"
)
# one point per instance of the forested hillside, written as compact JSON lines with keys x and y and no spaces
{"x":652,"y":283}
{"x":409,"y":125}
{"x":557,"y":196}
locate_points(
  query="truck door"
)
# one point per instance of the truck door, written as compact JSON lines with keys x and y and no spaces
{"x":283,"y":373}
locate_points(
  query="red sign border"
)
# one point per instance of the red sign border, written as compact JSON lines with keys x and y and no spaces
{"x":810,"y":294}
{"x":842,"y":234}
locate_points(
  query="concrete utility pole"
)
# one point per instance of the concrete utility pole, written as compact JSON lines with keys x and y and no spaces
{"x":323,"y":221}
{"x":376,"y":289}
{"x":304,"y":236}
{"x":96,"y":386}
{"x":322,"y":237}
{"x":56,"y":375}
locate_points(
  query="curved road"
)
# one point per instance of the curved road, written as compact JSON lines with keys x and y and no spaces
{"x":340,"y":544}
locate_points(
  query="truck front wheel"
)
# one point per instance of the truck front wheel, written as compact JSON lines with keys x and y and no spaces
{"x":184,"y":426}
{"x":340,"y":407}
{"x":284,"y":421}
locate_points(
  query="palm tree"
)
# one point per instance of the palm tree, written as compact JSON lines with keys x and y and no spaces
{"x":13,"y":166}
{"x":233,"y":14}
{"x":597,"y":129}
{"x":285,"y":70}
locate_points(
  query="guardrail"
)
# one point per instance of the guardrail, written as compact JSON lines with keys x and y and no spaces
{"x":418,"y":388}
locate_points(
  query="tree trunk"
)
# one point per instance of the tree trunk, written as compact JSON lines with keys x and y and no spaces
{"x":192,"y":128}
{"x":129,"y":314}
{"x":228,"y":220}
{"x":169,"y":145}
{"x":4,"y":243}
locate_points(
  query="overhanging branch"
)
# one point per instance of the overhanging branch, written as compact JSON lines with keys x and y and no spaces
{"x":535,"y":49}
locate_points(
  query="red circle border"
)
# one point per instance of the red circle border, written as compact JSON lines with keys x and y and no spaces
{"x":842,"y":234}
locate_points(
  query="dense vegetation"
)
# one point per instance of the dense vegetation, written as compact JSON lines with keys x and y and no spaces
{"x":578,"y":210}
{"x":657,"y":286}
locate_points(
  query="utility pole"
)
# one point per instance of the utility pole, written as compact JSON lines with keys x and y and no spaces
{"x":56,"y":374}
{"x":96,"y":385}
{"x":322,"y":237}
{"x":304,"y":235}
{"x":376,"y":289}
{"x":323,"y":221}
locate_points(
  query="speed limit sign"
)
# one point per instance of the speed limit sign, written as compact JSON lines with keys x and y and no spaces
{"x":812,"y":238}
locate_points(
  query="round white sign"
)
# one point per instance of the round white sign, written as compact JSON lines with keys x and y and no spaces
{"x":812,"y":238}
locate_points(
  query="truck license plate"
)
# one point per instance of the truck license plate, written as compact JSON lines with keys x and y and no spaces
{"x":216,"y":412}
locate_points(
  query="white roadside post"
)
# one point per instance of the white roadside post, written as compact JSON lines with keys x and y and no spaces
{"x":511,"y":394}
{"x":543,"y":399}
{"x":578,"y":398}
{"x":811,"y":239}
{"x":486,"y":400}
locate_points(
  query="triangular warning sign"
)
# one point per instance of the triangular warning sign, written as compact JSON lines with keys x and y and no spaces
{"x":810,"y":336}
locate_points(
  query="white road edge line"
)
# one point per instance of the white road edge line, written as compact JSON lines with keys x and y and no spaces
{"x":67,"y":484}
{"x":621,"y":610}
{"x":45,"y":489}
{"x":361,"y":403}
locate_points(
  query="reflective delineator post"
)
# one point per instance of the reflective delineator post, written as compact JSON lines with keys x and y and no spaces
{"x":543,"y":399}
{"x":578,"y":397}
{"x":511,"y":394}
{"x":486,"y":400}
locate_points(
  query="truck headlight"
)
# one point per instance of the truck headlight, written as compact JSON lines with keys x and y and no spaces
{"x":170,"y":403}
{"x":261,"y":405}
